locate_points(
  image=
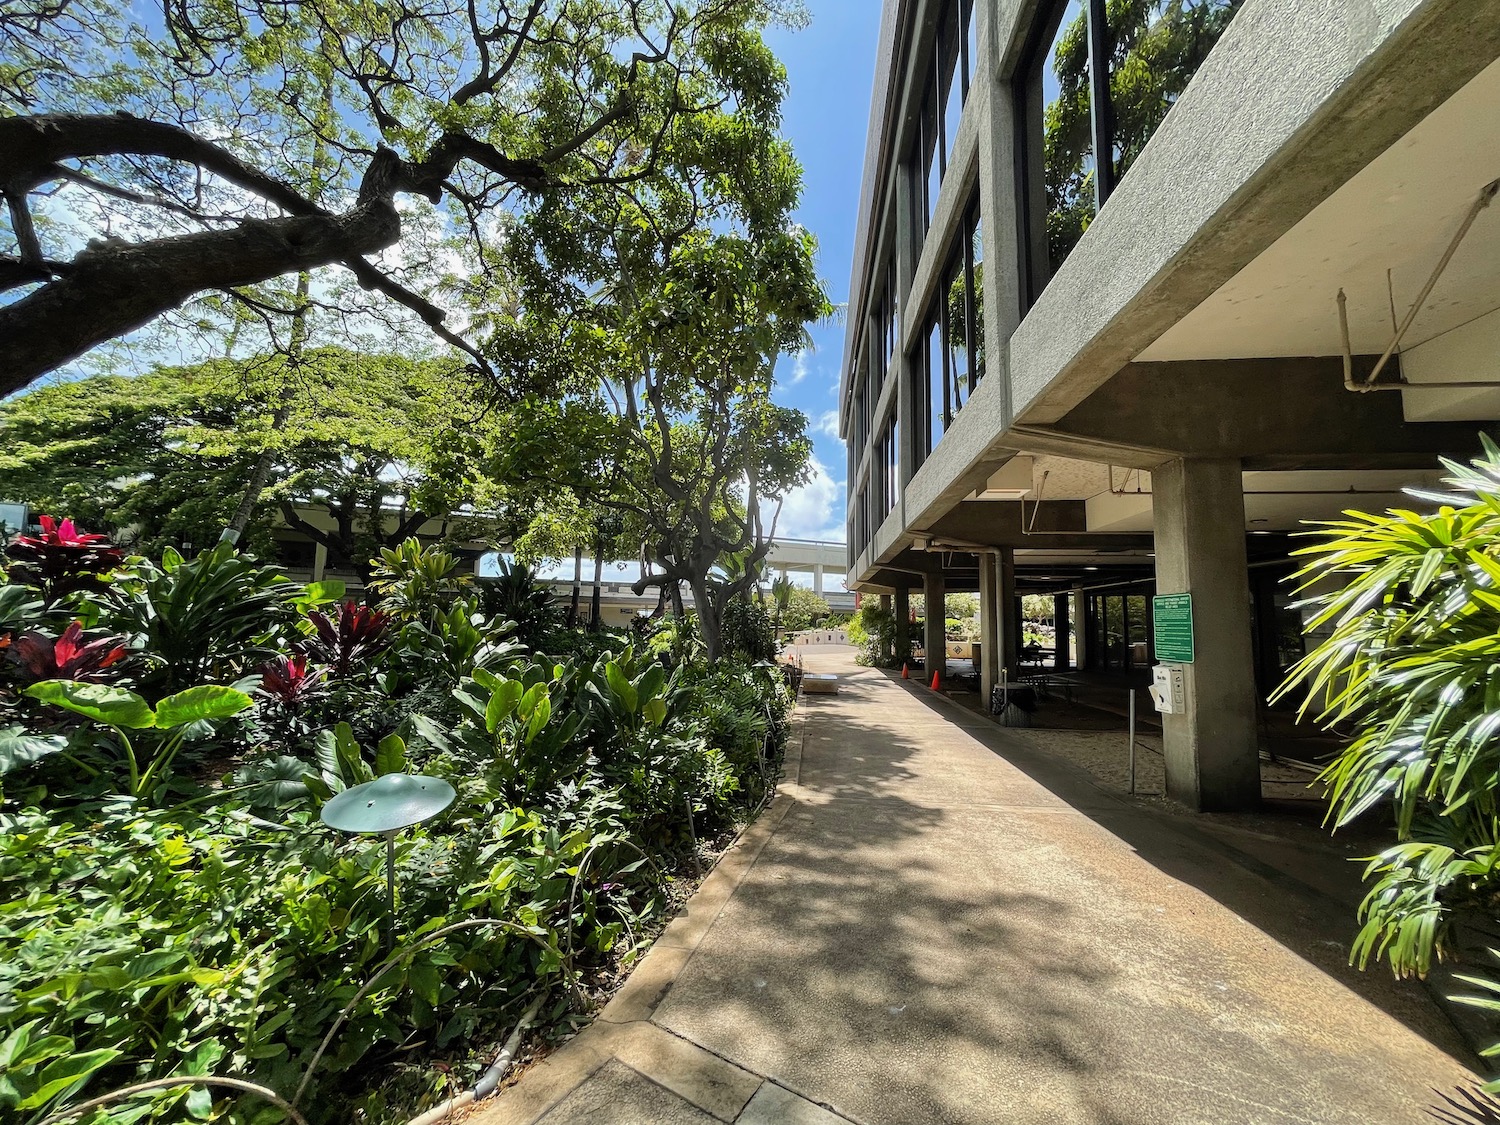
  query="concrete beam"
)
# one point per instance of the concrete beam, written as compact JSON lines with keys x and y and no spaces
{"x":1332,"y":86}
{"x":1268,"y":413}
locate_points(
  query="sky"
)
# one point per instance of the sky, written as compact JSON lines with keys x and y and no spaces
{"x":830,"y":70}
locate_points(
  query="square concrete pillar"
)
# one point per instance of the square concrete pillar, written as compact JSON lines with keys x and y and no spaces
{"x":1009,"y":611}
{"x":885,"y":607}
{"x":1060,"y":632}
{"x":1212,"y":751}
{"x":934,"y":639}
{"x":902,"y":611}
{"x":989,"y":627}
{"x":818,"y":582}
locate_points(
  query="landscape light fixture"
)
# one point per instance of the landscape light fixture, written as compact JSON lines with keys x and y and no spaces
{"x":384,"y":807}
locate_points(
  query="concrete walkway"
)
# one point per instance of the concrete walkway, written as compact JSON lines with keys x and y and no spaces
{"x":934,"y":924}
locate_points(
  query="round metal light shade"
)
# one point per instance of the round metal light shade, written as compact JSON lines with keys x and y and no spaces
{"x":397,"y":800}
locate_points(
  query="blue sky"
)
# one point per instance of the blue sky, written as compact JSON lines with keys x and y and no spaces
{"x":830,"y":67}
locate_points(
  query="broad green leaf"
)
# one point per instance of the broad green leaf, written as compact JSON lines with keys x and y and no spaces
{"x":112,"y":706}
{"x":207,"y":702}
{"x":72,"y":1071}
{"x":19,"y":747}
{"x":622,"y":687}
{"x":539,"y":717}
{"x":655,"y":711}
{"x":504,"y":699}
{"x":390,"y":756}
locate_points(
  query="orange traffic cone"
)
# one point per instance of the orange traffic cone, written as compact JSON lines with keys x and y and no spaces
{"x":935,"y":681}
{"x":905,"y":672}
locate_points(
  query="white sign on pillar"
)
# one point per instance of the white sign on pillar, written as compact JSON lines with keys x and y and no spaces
{"x":1168,"y":691}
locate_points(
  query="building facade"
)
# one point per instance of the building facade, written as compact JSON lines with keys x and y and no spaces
{"x":1130,"y":303}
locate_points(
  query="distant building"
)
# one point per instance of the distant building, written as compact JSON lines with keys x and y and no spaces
{"x":1095,"y":346}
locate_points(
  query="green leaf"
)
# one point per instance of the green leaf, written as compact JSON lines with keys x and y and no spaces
{"x":112,"y":706}
{"x":622,"y":687}
{"x":70,"y":1072}
{"x":655,"y":711}
{"x":19,"y":747}
{"x":539,"y":716}
{"x":390,"y":756}
{"x":503,"y":701}
{"x":355,"y":770}
{"x":205,"y":702}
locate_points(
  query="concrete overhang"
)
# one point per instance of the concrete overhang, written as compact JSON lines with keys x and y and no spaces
{"x":1294,"y":101}
{"x":1379,"y":237}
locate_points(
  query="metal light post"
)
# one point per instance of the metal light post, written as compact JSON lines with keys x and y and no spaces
{"x":384,"y":807}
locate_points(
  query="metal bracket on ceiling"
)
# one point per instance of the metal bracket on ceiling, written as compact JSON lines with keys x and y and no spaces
{"x":1482,"y":200}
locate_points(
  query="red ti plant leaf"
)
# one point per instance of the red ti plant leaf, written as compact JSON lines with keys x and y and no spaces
{"x":61,"y":558}
{"x":288,"y":681}
{"x":69,"y":657}
{"x":349,"y":639}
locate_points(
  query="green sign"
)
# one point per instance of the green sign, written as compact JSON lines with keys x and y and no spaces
{"x":1172,"y":624}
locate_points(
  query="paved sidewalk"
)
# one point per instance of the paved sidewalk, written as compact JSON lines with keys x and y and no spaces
{"x":935,"y":924}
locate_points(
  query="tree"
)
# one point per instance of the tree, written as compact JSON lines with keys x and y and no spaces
{"x":1155,"y":48}
{"x":149,"y":163}
{"x":670,"y":420}
{"x":804,"y":609}
{"x":1409,"y":664}
{"x":369,"y":440}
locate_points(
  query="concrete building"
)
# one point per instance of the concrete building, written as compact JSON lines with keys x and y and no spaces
{"x":1277,"y":297}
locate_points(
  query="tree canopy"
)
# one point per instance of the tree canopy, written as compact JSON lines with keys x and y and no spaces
{"x":368,"y":439}
{"x":195,"y":153}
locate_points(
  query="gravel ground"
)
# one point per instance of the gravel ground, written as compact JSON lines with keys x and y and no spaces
{"x":1105,"y":754}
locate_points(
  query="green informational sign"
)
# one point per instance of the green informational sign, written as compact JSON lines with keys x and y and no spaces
{"x":1172,"y":624}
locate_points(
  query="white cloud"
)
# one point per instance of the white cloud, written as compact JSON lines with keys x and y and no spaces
{"x":828,"y":424}
{"x":799,"y":368}
{"x":813,"y":511}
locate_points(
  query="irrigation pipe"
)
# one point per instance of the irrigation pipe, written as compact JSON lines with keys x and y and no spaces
{"x":399,"y":956}
{"x":180,"y":1080}
{"x":489,"y":1081}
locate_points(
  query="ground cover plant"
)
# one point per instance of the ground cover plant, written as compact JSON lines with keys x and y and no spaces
{"x":1410,"y":605}
{"x":169,"y":730}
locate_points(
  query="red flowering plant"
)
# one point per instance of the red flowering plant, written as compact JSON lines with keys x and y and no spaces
{"x":37,"y":656}
{"x":61,"y":559}
{"x":346,"y":640}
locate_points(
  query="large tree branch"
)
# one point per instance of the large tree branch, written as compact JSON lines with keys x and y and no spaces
{"x":114,"y":288}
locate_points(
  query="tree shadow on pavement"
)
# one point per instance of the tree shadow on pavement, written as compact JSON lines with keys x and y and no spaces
{"x":859,"y":965}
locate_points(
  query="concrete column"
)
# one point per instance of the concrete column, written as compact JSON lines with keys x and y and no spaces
{"x":818,"y":581}
{"x":989,"y":627}
{"x":934,"y":640}
{"x":1008,"y":613}
{"x":1086,"y":628}
{"x":320,"y":561}
{"x":885,"y":607}
{"x":902,"y":611}
{"x":1060,"y":632}
{"x":1212,"y":752}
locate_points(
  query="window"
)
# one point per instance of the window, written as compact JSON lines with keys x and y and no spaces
{"x":944,"y":85}
{"x":1148,"y":53}
{"x":953,"y":361}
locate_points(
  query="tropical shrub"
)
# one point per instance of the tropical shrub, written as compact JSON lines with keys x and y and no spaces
{"x":746,"y":629}
{"x":178,"y":907}
{"x":519,"y":595}
{"x":873,"y":630}
{"x":1410,"y":603}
